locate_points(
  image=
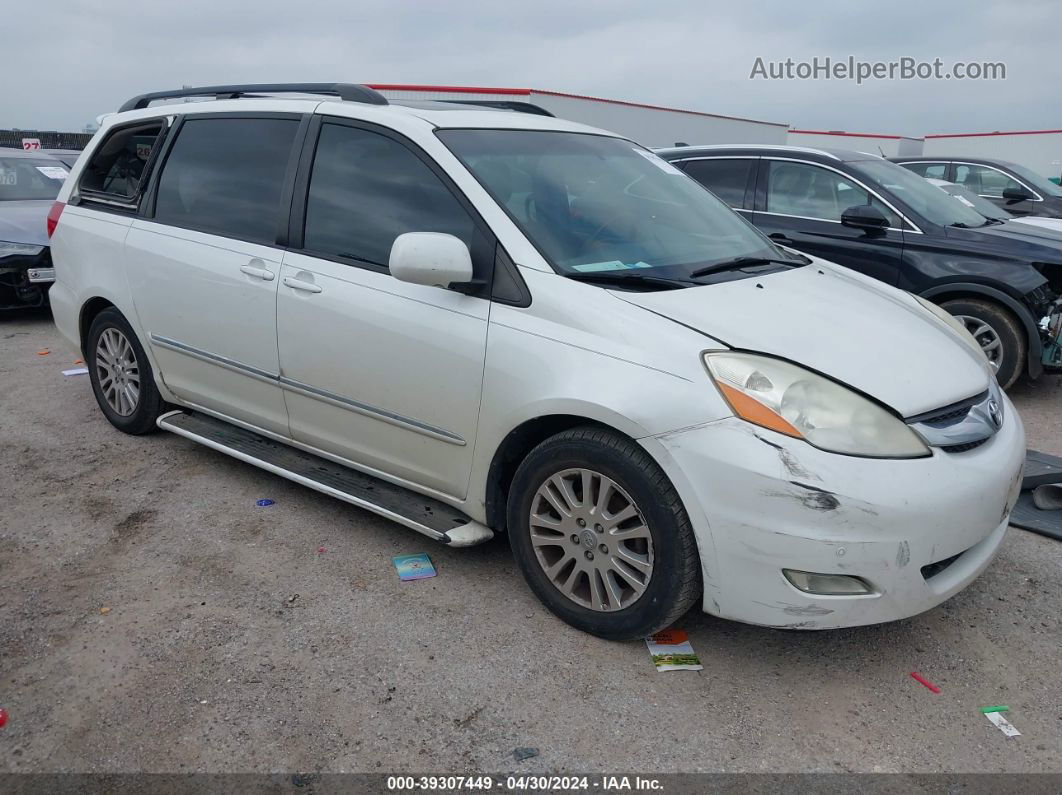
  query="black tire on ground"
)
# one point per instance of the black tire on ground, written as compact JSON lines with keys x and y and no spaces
{"x":675,"y":583}
{"x":150,"y":404}
{"x":1014,"y":344}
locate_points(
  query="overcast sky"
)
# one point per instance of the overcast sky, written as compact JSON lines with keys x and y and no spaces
{"x":80,"y":58}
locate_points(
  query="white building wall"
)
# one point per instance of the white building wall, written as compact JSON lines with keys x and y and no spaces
{"x":654,"y":127}
{"x":886,"y":145}
{"x":649,"y":126}
{"x":1042,"y":152}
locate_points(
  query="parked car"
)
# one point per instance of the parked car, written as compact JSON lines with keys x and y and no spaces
{"x":861,"y":211}
{"x":29,"y":183}
{"x":473,"y":321}
{"x":65,"y":156}
{"x":1015,"y":188}
{"x":992,"y":211}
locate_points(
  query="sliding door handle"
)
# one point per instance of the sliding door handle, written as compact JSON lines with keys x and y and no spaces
{"x":300,"y":284}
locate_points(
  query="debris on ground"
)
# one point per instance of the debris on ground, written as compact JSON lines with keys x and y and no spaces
{"x":291,"y":600}
{"x":414,"y":567}
{"x":76,"y":371}
{"x":43,"y":352}
{"x":522,"y":753}
{"x":3,"y":717}
{"x":79,"y":361}
{"x":321,"y":550}
{"x":1003,"y":724}
{"x":265,"y":503}
{"x":922,"y":680}
{"x":104,"y":611}
{"x":1000,"y":708}
{"x":671,"y":651}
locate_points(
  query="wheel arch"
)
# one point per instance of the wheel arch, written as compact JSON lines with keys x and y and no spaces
{"x":953,"y":290}
{"x":89,"y":310}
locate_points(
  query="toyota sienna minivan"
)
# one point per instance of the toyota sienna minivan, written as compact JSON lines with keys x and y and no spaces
{"x":481,"y":321}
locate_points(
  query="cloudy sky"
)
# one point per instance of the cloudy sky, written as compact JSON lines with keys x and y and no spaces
{"x":81,"y":58}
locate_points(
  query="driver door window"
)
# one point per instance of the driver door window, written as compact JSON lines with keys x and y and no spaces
{"x":985,"y":181}
{"x":809,"y":191}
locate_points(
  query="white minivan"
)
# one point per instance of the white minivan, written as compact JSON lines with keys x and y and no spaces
{"x":476,"y":321}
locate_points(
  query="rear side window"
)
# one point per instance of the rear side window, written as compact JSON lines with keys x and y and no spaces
{"x":727,"y":179}
{"x":118,"y":167}
{"x":930,"y":170}
{"x":367,"y":189}
{"x":226,"y":177}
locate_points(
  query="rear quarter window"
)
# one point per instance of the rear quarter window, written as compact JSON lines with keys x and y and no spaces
{"x":118,"y":168}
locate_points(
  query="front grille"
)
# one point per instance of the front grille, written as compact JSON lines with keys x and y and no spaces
{"x":933,"y":569}
{"x":949,"y":414}
{"x":962,"y":448}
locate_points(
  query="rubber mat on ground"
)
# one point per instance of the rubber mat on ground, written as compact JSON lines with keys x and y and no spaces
{"x":1040,"y":468}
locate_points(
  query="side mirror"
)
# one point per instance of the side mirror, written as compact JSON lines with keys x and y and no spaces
{"x":433,"y":259}
{"x":864,"y":216}
{"x":1016,"y":194}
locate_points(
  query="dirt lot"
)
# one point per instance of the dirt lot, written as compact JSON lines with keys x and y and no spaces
{"x":206,"y":660}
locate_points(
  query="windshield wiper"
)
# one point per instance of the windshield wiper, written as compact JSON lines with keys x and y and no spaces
{"x":628,"y":279}
{"x":743,"y":262}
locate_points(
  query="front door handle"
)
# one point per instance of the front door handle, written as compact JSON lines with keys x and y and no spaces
{"x":252,"y":269}
{"x":299,"y":284}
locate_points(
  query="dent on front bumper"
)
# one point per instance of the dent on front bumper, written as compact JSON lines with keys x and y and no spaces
{"x":918,"y":530}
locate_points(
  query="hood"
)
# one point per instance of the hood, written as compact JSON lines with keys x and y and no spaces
{"x":855,"y":330}
{"x":1036,"y":221}
{"x":25,"y":222}
{"x":1011,"y":237}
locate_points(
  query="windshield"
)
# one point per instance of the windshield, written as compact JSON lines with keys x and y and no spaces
{"x":1037,"y":181}
{"x":26,"y":178}
{"x":979,"y":203}
{"x":594,"y":204}
{"x":925,"y":199}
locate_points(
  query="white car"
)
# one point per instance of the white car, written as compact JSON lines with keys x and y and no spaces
{"x":474,"y":321}
{"x":990,"y":209}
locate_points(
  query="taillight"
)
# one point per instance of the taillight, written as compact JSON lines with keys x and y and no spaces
{"x":53,"y":217}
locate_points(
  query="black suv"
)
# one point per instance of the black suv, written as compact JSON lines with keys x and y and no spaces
{"x":863,"y":212}
{"x":1015,"y":188}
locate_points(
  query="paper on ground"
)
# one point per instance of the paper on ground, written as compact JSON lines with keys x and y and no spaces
{"x":76,"y":371}
{"x":671,"y":651}
{"x":414,"y":567}
{"x":1003,"y":724}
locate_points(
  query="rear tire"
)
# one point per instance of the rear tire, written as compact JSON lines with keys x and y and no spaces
{"x":121,"y":376}
{"x":615,"y":578}
{"x":997,"y":331}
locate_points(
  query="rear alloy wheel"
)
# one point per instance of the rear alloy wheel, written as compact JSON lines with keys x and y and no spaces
{"x":601,"y":535}
{"x":121,"y":375}
{"x":997,"y":332}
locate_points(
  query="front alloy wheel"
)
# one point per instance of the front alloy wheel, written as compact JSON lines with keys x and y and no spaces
{"x":591,"y":540}
{"x":601,"y":535}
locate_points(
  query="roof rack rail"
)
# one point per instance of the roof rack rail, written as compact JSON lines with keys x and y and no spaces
{"x":518,"y":107}
{"x":348,"y":92}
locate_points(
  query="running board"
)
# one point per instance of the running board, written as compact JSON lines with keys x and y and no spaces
{"x":426,"y":515}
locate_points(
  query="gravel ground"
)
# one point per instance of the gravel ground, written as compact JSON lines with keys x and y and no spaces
{"x":153,"y":618}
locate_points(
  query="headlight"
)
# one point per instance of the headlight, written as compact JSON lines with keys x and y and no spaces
{"x":952,"y":321}
{"x":19,"y":249}
{"x":794,"y":401}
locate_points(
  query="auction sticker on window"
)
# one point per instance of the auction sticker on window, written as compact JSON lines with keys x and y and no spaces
{"x":8,"y":177}
{"x":54,"y":172}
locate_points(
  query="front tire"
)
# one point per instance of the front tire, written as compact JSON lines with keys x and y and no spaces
{"x":601,"y":535}
{"x":121,"y":375}
{"x":998,"y":333}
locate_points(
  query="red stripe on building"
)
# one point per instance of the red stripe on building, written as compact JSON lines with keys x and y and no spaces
{"x":851,"y":134}
{"x":981,"y":135}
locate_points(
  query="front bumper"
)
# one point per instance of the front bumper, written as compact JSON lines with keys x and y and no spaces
{"x":918,"y":530}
